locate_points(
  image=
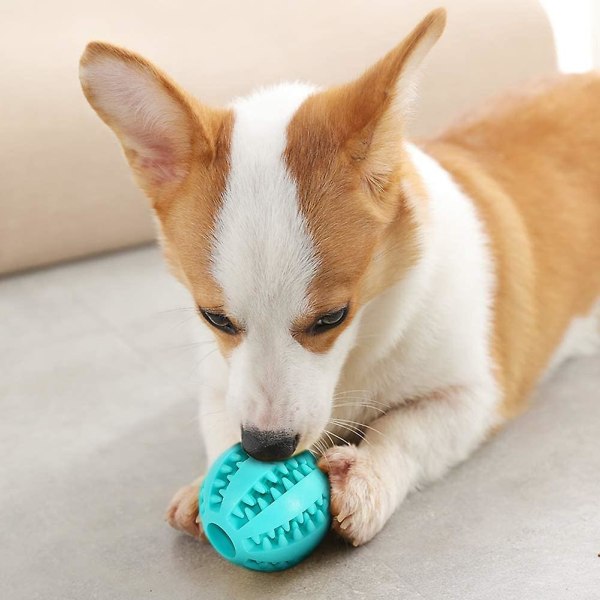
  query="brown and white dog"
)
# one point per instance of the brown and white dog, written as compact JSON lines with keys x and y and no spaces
{"x":384,"y":304}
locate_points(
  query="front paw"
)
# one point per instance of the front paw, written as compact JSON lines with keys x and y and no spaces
{"x":182,"y":512}
{"x":359,"y":499}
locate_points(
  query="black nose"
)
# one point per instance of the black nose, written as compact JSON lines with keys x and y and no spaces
{"x":268,"y":445}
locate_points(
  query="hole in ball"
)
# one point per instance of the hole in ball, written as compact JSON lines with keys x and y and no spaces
{"x":220,"y":540}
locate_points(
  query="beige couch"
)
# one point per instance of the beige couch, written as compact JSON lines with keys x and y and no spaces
{"x":64,"y":189}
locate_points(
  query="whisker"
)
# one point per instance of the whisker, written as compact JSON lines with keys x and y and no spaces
{"x":357,"y":400}
{"x":344,"y":426}
{"x":350,"y":392}
{"x":338,"y":396}
{"x":317,"y":451}
{"x":329,"y":436}
{"x":380,"y":410}
{"x":322,"y":449}
{"x":206,"y":356}
{"x":362,"y":425}
{"x":360,"y":402}
{"x":351,"y":397}
{"x":185,"y":321}
{"x":369,"y":400}
{"x":338,"y":437}
{"x":355,"y":431}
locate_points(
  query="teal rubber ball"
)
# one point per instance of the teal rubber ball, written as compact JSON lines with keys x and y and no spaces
{"x":265,"y":516}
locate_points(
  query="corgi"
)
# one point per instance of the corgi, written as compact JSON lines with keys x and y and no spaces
{"x":385,"y":304}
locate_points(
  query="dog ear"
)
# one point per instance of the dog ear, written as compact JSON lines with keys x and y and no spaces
{"x":367,"y":114}
{"x":162,"y":129}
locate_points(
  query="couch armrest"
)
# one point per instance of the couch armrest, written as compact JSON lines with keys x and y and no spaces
{"x":65,"y":191}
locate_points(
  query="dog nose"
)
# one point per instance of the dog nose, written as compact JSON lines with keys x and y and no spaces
{"x":268,"y":445}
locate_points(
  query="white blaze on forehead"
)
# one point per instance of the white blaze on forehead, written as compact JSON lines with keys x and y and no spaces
{"x":263,"y":256}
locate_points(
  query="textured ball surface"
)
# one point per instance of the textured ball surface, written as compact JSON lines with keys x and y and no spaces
{"x":265,"y":516}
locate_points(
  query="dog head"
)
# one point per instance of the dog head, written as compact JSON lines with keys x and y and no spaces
{"x":280,"y":214}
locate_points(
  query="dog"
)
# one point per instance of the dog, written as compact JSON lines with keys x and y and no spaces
{"x":385,"y":304}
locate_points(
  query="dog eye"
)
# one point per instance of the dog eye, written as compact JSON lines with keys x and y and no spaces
{"x":219,"y":321}
{"x":329,"y":320}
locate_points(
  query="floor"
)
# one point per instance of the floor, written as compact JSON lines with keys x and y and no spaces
{"x":98,"y":428}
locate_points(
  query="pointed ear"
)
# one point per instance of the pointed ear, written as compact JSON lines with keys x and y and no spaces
{"x":162,"y":129}
{"x":369,"y":113}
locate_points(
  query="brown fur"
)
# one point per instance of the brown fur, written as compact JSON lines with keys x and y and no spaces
{"x":343,"y":152}
{"x":530,"y":163}
{"x":187,"y":204}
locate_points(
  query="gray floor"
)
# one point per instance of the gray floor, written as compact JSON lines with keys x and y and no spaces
{"x":98,"y":428}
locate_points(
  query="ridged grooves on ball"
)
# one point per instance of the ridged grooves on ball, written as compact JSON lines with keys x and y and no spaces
{"x":280,"y":479}
{"x":228,"y":469}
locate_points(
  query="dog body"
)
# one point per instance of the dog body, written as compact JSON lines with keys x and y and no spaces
{"x":383,"y":303}
{"x":420,"y":360}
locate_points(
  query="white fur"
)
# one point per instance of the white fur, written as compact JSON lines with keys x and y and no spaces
{"x":264,"y":260}
{"x":263,"y":256}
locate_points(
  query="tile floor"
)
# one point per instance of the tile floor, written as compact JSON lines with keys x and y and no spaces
{"x":98,"y":428}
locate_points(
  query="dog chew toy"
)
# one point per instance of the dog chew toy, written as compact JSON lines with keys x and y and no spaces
{"x":265,"y":516}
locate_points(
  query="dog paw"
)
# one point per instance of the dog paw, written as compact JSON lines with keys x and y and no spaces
{"x":358,"y":496}
{"x":182,"y":513}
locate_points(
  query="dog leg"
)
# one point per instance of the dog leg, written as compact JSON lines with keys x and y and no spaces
{"x":402,"y":450}
{"x":218,"y":435}
{"x":182,"y":512}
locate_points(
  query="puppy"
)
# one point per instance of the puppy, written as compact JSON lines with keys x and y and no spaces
{"x":384,"y":304}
